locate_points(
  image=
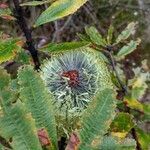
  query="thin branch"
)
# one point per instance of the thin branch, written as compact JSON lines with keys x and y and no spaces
{"x":134,"y":134}
{"x":123,"y":87}
{"x":27,"y":32}
{"x":5,"y":143}
{"x":124,"y":90}
{"x":59,"y":30}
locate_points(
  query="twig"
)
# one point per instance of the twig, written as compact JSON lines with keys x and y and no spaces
{"x":29,"y":41}
{"x":124,"y":90}
{"x":5,"y":143}
{"x":58,"y":30}
{"x":138,"y":146}
{"x":108,"y":54}
{"x":94,"y":18}
{"x":123,"y":87}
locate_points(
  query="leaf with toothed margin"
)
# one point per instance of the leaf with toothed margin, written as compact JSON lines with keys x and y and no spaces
{"x":15,"y":121}
{"x":96,"y":119}
{"x":112,"y":143}
{"x":38,"y":101}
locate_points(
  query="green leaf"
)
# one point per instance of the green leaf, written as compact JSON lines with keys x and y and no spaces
{"x":130,"y":29}
{"x":138,"y":84}
{"x":22,"y":57}
{"x":15,"y":122}
{"x":5,"y":13}
{"x":146,"y":108}
{"x":35,"y":3}
{"x":20,"y":126}
{"x":84,"y":37}
{"x":125,"y":50}
{"x":97,"y":119}
{"x":122,"y":124}
{"x":4,"y":78}
{"x":136,"y":105}
{"x":37,"y":99}
{"x":143,"y":138}
{"x":111,"y":143}
{"x":110,"y":34}
{"x":95,"y":36}
{"x":59,"y":9}
{"x":8,"y":49}
{"x":1,"y":147}
{"x":53,"y":47}
{"x":102,"y":56}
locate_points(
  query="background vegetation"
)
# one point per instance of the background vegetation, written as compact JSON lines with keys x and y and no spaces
{"x":114,"y":27}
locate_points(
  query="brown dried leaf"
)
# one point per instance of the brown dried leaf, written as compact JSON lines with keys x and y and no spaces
{"x":73,"y":142}
{"x":43,"y":137}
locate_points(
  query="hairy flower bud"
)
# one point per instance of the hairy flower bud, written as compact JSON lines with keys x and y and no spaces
{"x":74,"y":77}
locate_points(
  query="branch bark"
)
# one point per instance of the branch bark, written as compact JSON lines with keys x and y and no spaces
{"x":27,"y":32}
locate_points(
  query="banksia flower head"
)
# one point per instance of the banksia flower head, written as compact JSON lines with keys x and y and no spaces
{"x":74,"y":77}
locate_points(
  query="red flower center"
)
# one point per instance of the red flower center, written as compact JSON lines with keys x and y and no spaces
{"x":73,"y":76}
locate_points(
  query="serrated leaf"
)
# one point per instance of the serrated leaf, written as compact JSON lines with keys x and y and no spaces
{"x":96,"y":119}
{"x":95,"y":36}
{"x":112,"y":143}
{"x":15,"y":122}
{"x":37,"y":99}
{"x":59,"y":9}
{"x":35,"y":3}
{"x":122,"y":124}
{"x":8,"y":49}
{"x":125,"y":50}
{"x":60,"y":47}
{"x":21,"y":128}
{"x":143,"y":139}
{"x":130,"y":29}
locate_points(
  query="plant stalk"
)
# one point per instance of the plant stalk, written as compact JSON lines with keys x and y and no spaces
{"x":27,"y":32}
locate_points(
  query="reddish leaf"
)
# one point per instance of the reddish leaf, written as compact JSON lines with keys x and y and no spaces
{"x":3,"y":5}
{"x":43,"y":137}
{"x":7,"y":17}
{"x":73,"y":142}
